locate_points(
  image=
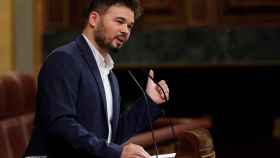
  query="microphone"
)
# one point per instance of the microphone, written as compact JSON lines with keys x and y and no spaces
{"x":165,"y":98}
{"x":148,"y":110}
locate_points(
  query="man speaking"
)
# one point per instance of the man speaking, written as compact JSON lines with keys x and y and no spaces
{"x":78,"y":101}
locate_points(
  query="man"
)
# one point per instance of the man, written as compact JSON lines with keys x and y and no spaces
{"x":78,"y":101}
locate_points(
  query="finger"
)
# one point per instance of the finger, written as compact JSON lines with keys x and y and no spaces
{"x":161,"y":90}
{"x":151,"y":73}
{"x":165,"y":95}
{"x":164,"y":86}
{"x":150,"y":78}
{"x":162,"y":94}
{"x":165,"y":89}
{"x":144,"y":153}
{"x":161,"y":84}
{"x":140,"y":151}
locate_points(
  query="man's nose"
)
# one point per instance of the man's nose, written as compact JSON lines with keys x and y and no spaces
{"x":125,"y":29}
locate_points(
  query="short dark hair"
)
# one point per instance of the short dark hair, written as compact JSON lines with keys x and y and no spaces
{"x":102,"y":5}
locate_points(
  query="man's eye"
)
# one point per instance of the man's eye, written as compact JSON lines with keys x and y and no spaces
{"x":119,"y":21}
{"x":130,"y":27}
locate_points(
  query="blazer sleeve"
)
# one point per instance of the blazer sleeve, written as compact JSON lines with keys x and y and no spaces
{"x":57,"y":94}
{"x":135,"y":119}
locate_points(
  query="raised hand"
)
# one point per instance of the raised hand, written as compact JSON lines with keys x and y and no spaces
{"x":155,"y":92}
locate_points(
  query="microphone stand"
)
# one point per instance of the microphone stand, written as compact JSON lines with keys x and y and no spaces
{"x":149,"y":113}
{"x":165,"y":98}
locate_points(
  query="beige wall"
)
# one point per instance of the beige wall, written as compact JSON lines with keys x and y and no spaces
{"x":23,"y":14}
{"x":38,"y":29}
{"x":7,"y":36}
{"x":20,"y":41}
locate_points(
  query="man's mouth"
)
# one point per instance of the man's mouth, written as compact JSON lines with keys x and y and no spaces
{"x":121,"y":39}
{"x":119,"y":42}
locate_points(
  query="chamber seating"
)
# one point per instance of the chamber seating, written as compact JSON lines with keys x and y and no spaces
{"x":3,"y":103}
{"x":17,"y":101}
{"x":13,"y":137}
{"x":189,"y":138}
{"x":13,"y":95}
{"x":28,"y":85}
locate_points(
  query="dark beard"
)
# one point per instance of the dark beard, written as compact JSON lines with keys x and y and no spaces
{"x":100,"y":40}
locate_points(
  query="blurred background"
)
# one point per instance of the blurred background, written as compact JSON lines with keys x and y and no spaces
{"x":220,"y":57}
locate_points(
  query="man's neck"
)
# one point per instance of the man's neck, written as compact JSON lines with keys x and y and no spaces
{"x":90,"y":37}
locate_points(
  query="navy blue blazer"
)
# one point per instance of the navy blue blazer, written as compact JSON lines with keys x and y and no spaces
{"x":71,"y":115}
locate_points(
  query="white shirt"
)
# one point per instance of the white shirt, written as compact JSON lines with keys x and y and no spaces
{"x":105,"y":65}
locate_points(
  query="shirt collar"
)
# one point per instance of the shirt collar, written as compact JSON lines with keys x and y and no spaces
{"x":104,"y":63}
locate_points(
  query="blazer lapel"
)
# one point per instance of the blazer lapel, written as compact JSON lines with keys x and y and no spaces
{"x":89,"y":58}
{"x":116,"y":102}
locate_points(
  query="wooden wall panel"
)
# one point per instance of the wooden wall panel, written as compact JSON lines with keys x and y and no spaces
{"x":253,"y":3}
{"x":7,"y":62}
{"x":250,"y":13}
{"x":201,"y":13}
{"x":163,"y":14}
{"x":39,"y":28}
{"x":170,"y":14}
{"x":64,"y":14}
{"x":179,"y":13}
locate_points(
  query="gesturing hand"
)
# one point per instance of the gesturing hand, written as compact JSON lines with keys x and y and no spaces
{"x":155,"y":92}
{"x":134,"y":151}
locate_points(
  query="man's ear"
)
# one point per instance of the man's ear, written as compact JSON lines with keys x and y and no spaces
{"x":93,"y":18}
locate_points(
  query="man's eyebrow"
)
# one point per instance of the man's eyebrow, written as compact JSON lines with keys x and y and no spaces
{"x":121,"y":18}
{"x":124,"y":19}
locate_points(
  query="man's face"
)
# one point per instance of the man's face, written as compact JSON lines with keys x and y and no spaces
{"x":114,"y":27}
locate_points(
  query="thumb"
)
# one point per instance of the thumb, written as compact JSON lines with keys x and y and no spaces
{"x":150,"y":81}
{"x":151,"y":74}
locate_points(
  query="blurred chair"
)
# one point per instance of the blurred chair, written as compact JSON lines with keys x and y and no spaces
{"x":28,"y":84}
{"x":13,"y":94}
{"x":18,"y":91}
{"x":5,"y":150}
{"x":192,"y":139}
{"x":17,"y":102}
{"x":13,"y":139}
{"x":26,"y":122}
{"x":2,"y":100}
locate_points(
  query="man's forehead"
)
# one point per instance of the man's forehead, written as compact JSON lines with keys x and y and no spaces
{"x":121,"y":11}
